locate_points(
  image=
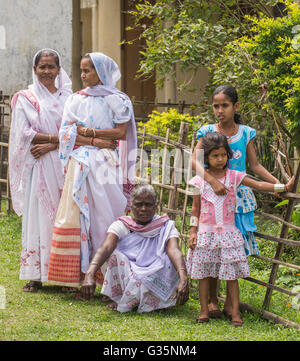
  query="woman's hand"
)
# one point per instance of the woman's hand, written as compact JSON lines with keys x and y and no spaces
{"x":87,"y":290}
{"x":84,"y":131}
{"x":182,"y":292}
{"x":105,"y":143}
{"x":38,"y":150}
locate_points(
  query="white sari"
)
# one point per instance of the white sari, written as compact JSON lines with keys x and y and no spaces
{"x":36,"y":184}
{"x":97,"y":184}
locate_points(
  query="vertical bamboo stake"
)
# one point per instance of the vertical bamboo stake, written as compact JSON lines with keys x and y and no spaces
{"x":189,"y":173}
{"x":141,"y":154}
{"x":1,"y":147}
{"x":163,"y":168}
{"x":184,"y":127}
{"x":8,"y":194}
{"x":280,"y":247}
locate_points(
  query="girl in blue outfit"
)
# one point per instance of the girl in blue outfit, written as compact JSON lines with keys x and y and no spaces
{"x":240,"y":138}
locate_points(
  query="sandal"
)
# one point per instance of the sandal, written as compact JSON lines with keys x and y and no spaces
{"x":227,"y":315}
{"x":215,"y":314}
{"x":202,"y":319}
{"x":32,"y":286}
{"x":237,"y":323}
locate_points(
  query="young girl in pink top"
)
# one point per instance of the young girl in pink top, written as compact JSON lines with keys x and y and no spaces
{"x":216,"y":245}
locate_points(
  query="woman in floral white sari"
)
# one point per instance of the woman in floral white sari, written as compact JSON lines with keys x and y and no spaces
{"x":36,"y":178}
{"x":98,"y":181}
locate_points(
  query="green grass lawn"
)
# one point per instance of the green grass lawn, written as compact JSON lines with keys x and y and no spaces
{"x":50,"y":314}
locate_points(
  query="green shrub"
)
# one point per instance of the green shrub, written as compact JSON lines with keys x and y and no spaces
{"x":159,"y":122}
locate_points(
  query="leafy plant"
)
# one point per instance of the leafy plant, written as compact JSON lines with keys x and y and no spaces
{"x":159,"y":122}
{"x":265,"y":66}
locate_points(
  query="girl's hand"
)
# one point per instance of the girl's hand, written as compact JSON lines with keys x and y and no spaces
{"x":289,"y":186}
{"x":105,"y":143}
{"x":38,"y":150}
{"x":219,"y":188}
{"x":193,"y":240}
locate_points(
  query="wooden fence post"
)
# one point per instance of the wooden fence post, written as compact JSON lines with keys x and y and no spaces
{"x":280,"y":247}
{"x":182,"y":139}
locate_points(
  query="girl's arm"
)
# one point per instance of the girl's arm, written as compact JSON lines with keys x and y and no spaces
{"x":265,"y":186}
{"x":117,"y":133}
{"x":194,"y":220}
{"x":256,"y":167}
{"x":218,"y":187}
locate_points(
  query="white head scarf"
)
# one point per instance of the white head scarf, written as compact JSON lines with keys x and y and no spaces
{"x":62,"y":82}
{"x":47,"y":119}
{"x":106,"y":68}
{"x":109,"y":73}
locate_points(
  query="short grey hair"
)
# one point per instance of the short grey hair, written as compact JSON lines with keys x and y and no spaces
{"x":142,"y":189}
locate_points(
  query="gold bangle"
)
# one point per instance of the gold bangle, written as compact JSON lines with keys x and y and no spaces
{"x":94,"y":133}
{"x":94,"y":264}
{"x":50,"y":138}
{"x":85,"y":131}
{"x":182,"y":269}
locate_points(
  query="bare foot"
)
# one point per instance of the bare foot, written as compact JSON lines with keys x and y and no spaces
{"x":105,"y":298}
{"x":236,"y":320}
{"x":204,"y":317}
{"x":112,"y":306}
{"x":32,"y":286}
{"x":214,"y":310}
{"x":69,"y":289}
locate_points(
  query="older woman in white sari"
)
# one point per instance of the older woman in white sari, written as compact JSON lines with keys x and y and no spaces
{"x":36,"y":178}
{"x":98,"y":181}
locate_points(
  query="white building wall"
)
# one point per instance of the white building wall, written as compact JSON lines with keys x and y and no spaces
{"x":26,"y":27}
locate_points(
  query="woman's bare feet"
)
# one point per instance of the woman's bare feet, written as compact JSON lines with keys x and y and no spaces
{"x":69,"y":289}
{"x":112,"y":306}
{"x":32,"y":286}
{"x":214,"y":310}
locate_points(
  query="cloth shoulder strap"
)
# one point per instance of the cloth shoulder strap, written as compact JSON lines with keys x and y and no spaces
{"x":27,"y":94}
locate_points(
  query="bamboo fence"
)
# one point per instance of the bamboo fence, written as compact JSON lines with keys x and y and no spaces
{"x":175,"y":208}
{"x":175,"y":199}
{"x":5,"y":115}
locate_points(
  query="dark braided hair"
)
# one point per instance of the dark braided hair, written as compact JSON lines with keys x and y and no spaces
{"x":232,"y":94}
